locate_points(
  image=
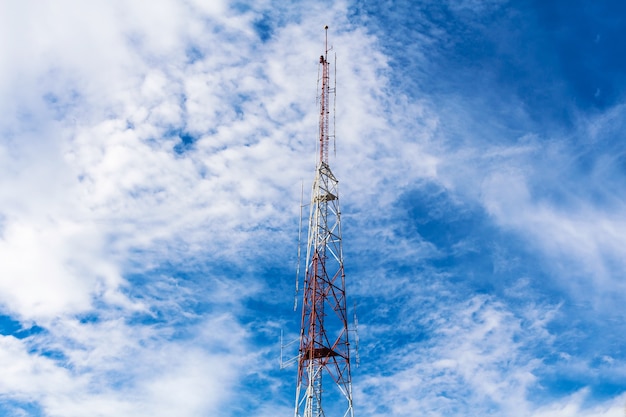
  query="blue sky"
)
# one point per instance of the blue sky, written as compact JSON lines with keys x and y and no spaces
{"x":151,"y":162}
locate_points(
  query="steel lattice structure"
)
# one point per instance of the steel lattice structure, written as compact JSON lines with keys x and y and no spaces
{"x":324,"y":344}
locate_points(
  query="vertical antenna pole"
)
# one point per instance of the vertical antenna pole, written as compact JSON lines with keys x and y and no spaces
{"x":324,"y":104}
{"x":295,"y":301}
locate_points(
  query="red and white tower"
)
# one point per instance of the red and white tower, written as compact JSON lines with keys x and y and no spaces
{"x":324,"y":386}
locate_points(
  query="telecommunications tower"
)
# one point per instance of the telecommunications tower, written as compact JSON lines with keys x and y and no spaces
{"x":324,"y":386}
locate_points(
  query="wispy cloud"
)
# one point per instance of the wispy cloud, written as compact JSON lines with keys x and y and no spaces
{"x":474,"y":357}
{"x":115,"y":368}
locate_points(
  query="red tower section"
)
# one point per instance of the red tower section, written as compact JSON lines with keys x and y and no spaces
{"x":324,"y":354}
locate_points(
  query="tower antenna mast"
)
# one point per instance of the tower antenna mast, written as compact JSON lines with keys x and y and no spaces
{"x":324,"y":353}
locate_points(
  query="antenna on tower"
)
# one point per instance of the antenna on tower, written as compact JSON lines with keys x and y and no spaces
{"x":356,"y":338}
{"x":295,"y":301}
{"x":334,"y":91}
{"x":324,"y":333}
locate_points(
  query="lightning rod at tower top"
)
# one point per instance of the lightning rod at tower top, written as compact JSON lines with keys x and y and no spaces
{"x":324,"y":383}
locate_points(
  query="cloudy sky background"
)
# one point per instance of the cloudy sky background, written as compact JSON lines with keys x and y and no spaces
{"x":151,"y":164}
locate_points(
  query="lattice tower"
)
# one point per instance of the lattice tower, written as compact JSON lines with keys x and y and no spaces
{"x":324,"y":354}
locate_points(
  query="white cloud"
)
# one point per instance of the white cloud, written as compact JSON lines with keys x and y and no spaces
{"x":559,"y":193}
{"x":573,"y":406}
{"x":569,"y":228}
{"x":474,"y":359}
{"x":26,"y":375}
{"x":110,"y":368}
